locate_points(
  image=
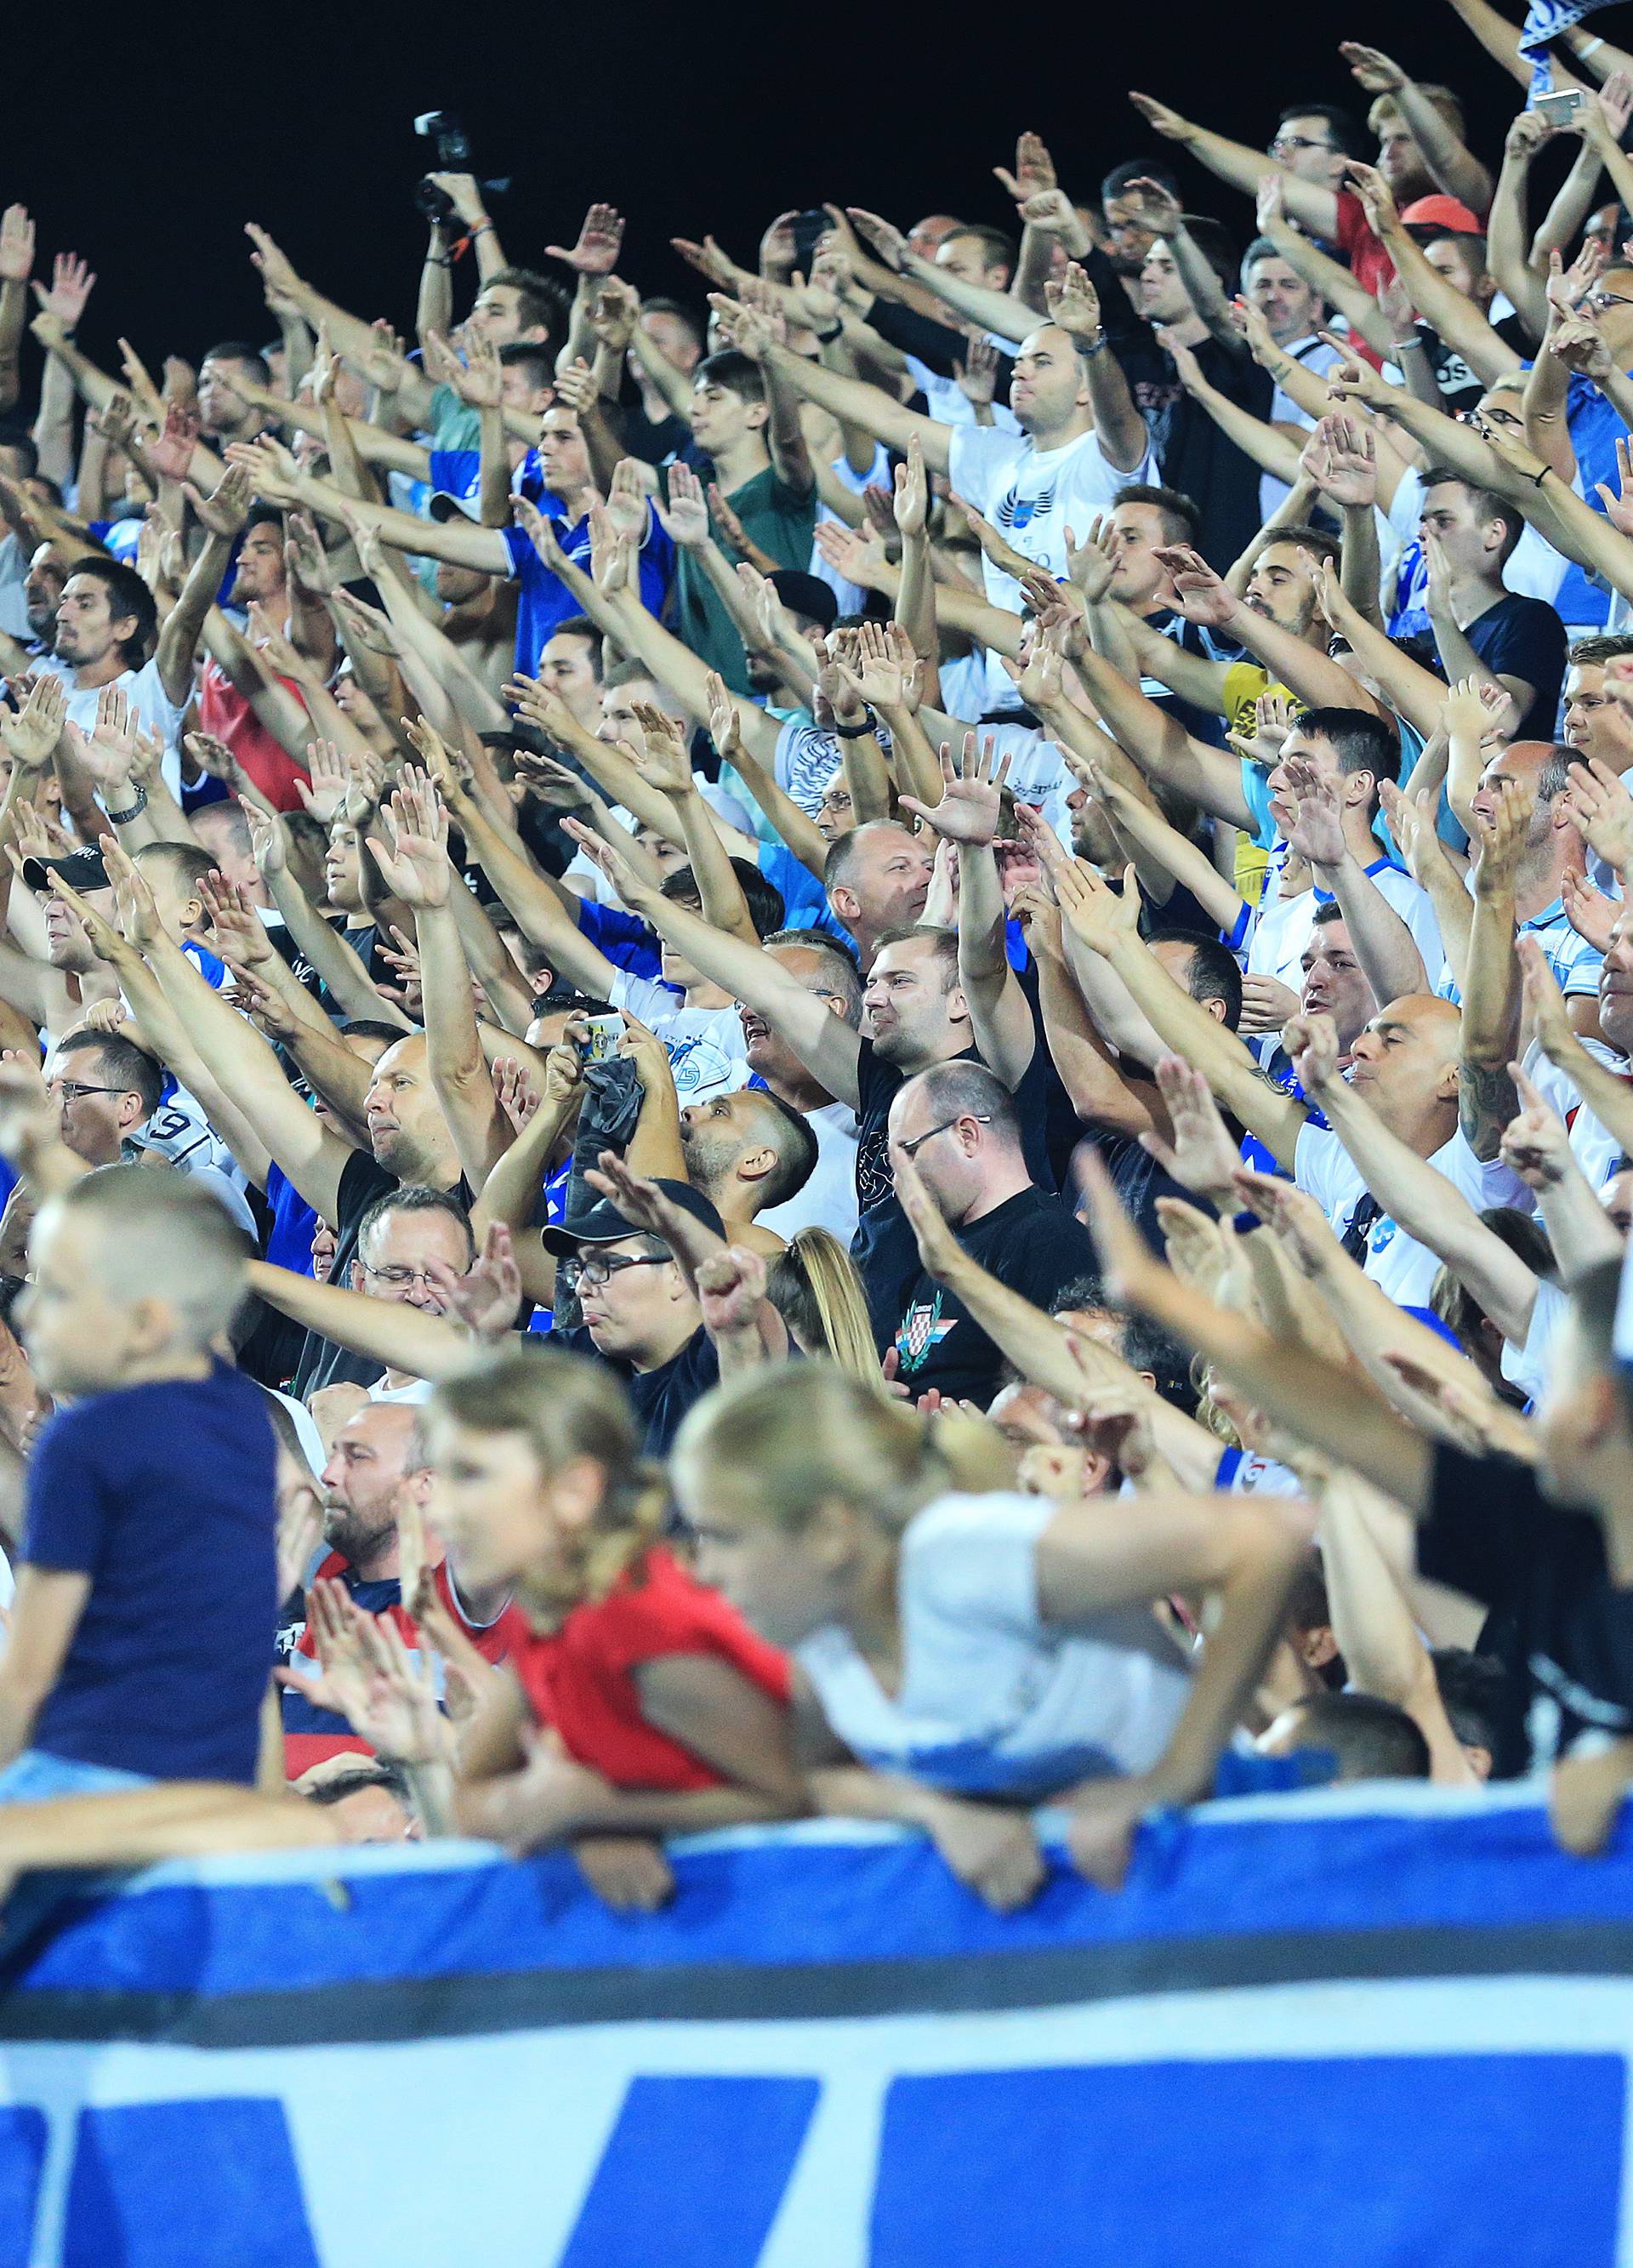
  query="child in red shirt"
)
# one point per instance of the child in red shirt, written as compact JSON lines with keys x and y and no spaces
{"x":633,"y":1702}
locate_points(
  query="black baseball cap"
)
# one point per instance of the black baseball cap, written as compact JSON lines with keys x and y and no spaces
{"x":81,"y":870}
{"x":806,"y":594}
{"x":604,"y":1224}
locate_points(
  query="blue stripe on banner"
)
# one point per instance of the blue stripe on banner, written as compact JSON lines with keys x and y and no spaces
{"x":1443,"y":2159}
{"x":157,"y":2183}
{"x":790,"y":1901}
{"x":693,"y":2173}
{"x":22,"y":2154}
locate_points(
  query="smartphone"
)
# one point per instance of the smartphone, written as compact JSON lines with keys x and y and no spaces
{"x":810,"y":228}
{"x":603,"y":1037}
{"x":1560,"y":109}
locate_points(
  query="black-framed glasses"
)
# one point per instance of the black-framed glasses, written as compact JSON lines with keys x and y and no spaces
{"x":601,"y":1270}
{"x":71,"y":1090}
{"x":401,"y":1280}
{"x":1296,"y":141}
{"x":911,"y":1148}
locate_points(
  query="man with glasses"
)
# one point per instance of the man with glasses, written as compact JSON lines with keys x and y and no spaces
{"x":638,"y":1299}
{"x":956,"y":1146}
{"x":1312,"y":143}
{"x":106,"y":1090}
{"x":409,"y":1241}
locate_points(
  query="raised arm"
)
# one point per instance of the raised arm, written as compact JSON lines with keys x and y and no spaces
{"x":1312,"y":207}
{"x":1452,"y":164}
{"x":241,"y":1063}
{"x":1108,"y":926}
{"x":851,"y":400}
{"x":417,"y":870}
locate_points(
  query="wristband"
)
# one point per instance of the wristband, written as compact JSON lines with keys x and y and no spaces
{"x":1405,"y":346}
{"x":827,"y":338}
{"x":1243,"y":1221}
{"x":853,"y":732}
{"x":477,"y":227}
{"x":431,"y":260}
{"x":1099,"y":346}
{"x":122,"y":817}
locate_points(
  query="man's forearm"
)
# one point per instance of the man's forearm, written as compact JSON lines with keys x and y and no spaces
{"x":1545,"y":404}
{"x":998,"y":311}
{"x":1455,"y":167}
{"x":856,"y":403}
{"x":1185,"y":1026}
{"x":1384,"y":946}
{"x":387,"y":1331}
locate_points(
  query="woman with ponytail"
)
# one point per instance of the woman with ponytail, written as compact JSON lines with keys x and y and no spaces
{"x":632,"y":1703}
{"x":961,"y":1647}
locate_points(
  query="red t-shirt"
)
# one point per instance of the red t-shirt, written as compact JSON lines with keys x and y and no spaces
{"x":580,"y":1679}
{"x":493,"y":1642}
{"x":1368,"y":260}
{"x":225,"y":712}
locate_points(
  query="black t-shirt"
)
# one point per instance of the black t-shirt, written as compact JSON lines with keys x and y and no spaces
{"x":884,"y":1248}
{"x":322,"y":1362}
{"x":1561,"y":1629}
{"x":1031,"y":1243}
{"x":1205,"y":725}
{"x":1148,"y":368}
{"x":1195,"y":457}
{"x":1524,"y":637}
{"x":661,"y":1396}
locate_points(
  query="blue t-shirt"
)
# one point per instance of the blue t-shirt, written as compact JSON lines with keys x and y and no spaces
{"x":165,"y":1496}
{"x":1595,"y":426}
{"x":628,"y":943}
{"x":543,"y":600}
{"x":804,"y":901}
{"x":293,"y":1222}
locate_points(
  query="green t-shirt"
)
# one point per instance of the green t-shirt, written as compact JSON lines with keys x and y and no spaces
{"x":455,"y":424}
{"x":780,"y":523}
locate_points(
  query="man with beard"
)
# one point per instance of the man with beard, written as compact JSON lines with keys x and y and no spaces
{"x":748,"y":1152}
{"x":375,"y":1468}
{"x":827,"y":971}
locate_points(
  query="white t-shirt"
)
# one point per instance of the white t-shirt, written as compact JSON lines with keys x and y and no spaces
{"x":708,"y":1054}
{"x":1318,"y":358}
{"x":1397,"y":1263}
{"x":947,"y":400}
{"x":416,"y":1390}
{"x":1032,"y":496}
{"x":806,"y":761}
{"x":1594,"y":1147}
{"x":1526,"y":1367}
{"x":1532,"y":568}
{"x":13,"y":575}
{"x":153,"y":707}
{"x":851,"y":596}
{"x":993,"y":1701}
{"x":829,"y":1199}
{"x":1283,"y":930}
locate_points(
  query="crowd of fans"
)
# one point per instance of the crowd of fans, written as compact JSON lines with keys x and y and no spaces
{"x":861,"y":1047}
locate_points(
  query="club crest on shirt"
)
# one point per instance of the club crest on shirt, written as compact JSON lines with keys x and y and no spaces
{"x":922,"y":1327}
{"x":1019,"y":512}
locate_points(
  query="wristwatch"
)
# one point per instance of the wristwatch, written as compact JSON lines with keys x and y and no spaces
{"x":841,"y":731}
{"x":122,"y":817}
{"x":827,"y":338}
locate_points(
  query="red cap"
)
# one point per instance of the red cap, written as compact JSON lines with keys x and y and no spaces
{"x":1445,"y":213}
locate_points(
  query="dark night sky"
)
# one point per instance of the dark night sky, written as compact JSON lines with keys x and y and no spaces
{"x":689,"y":120}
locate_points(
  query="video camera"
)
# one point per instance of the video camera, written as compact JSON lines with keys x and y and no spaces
{"x":453,"y":156}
